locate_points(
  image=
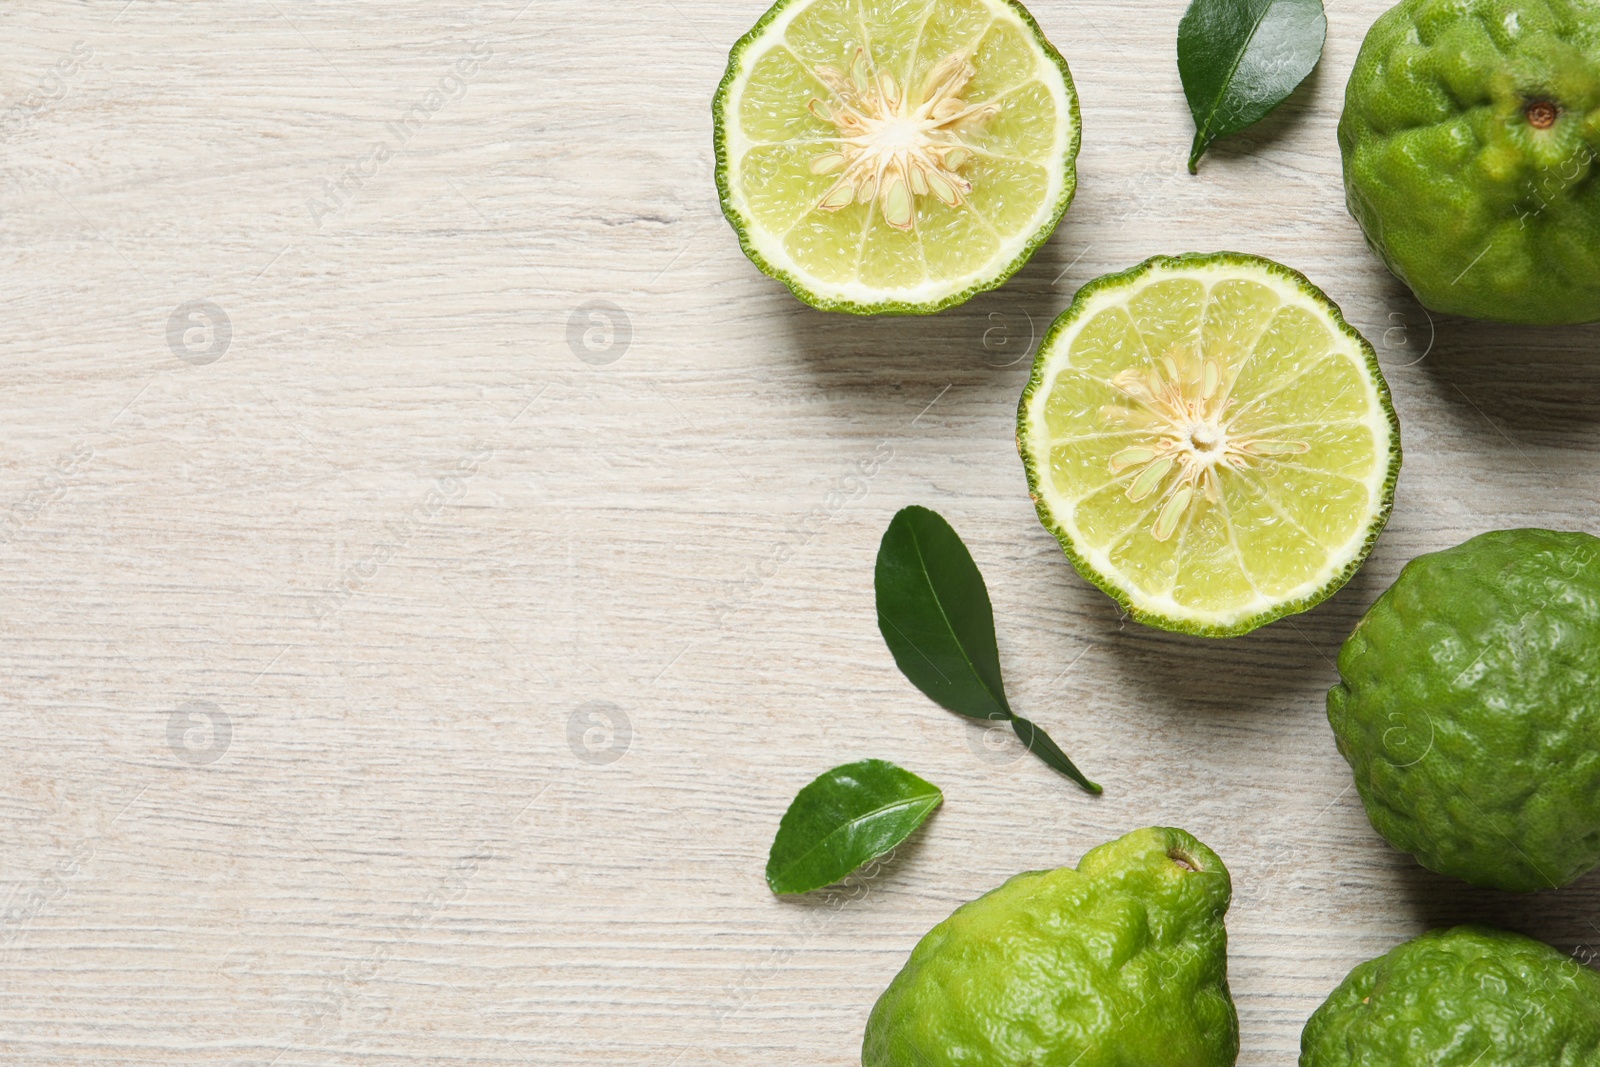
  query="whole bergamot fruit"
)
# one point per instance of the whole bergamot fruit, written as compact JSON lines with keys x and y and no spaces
{"x":1470,"y":136}
{"x":1469,"y":709}
{"x":1121,"y":961}
{"x":1453,"y":998}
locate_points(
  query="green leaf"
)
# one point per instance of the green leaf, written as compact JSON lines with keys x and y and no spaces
{"x":1038,"y":742}
{"x":934,"y":612}
{"x":1239,"y":59}
{"x":844,"y":818}
{"x":935,"y":616}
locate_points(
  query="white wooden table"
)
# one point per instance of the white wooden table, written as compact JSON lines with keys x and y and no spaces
{"x":397,"y":670}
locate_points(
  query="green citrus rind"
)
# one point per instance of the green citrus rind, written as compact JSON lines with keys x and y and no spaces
{"x":1483,"y":211}
{"x":1107,"y":583}
{"x":1122,"y":960}
{"x":888,"y":305}
{"x":1468,"y":995}
{"x":1468,"y":712}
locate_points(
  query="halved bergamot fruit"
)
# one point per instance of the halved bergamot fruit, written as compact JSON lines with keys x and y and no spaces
{"x":1210,"y":441}
{"x":894,"y":156}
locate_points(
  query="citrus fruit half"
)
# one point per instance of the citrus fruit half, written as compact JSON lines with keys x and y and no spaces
{"x":894,"y":156}
{"x":1210,"y":441}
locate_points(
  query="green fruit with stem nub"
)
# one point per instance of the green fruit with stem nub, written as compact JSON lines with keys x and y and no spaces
{"x":1122,"y":961}
{"x":1471,"y":143}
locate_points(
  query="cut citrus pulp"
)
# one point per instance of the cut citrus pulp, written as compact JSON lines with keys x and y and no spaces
{"x":894,"y":156}
{"x":1210,"y":441}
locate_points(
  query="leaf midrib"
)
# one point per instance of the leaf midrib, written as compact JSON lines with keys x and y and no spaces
{"x":931,"y":799}
{"x":998,"y":698}
{"x":1227,"y":83}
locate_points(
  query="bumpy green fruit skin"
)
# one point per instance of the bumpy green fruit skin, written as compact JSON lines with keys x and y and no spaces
{"x":1469,"y":709}
{"x":1122,"y":961}
{"x":1465,"y":996}
{"x":1458,"y":189}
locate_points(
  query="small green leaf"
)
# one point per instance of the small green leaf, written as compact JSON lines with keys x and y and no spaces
{"x":1239,"y":59}
{"x":934,"y":612}
{"x":844,"y":818}
{"x":935,"y":616}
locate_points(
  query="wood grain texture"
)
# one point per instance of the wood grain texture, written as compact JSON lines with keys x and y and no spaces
{"x":399,"y":544}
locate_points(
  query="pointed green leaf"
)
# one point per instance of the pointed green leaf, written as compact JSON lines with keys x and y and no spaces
{"x":1239,"y":59}
{"x":1038,"y":742}
{"x":934,"y":612}
{"x":843,"y":819}
{"x":935,"y":615}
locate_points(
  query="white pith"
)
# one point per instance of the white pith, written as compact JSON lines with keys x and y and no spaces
{"x":769,"y":246}
{"x":1184,"y":410}
{"x":1037,"y":446}
{"x":898,"y":144}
